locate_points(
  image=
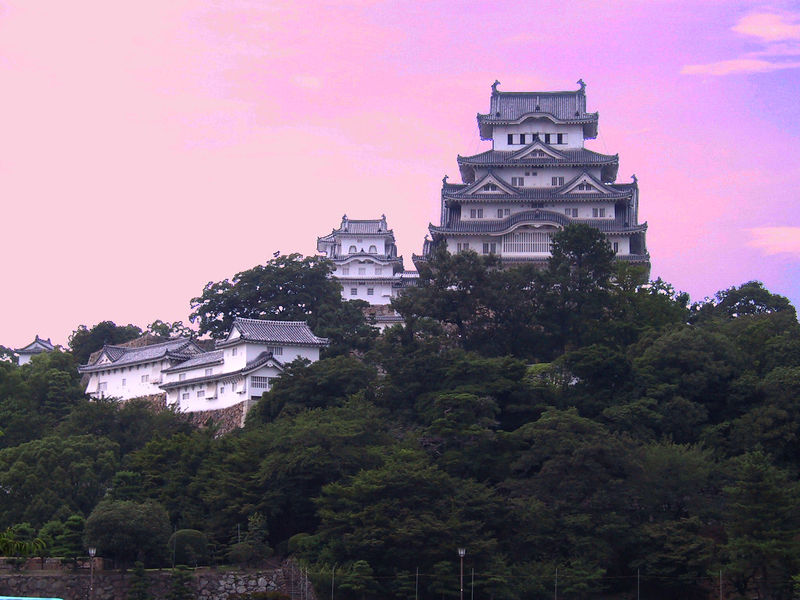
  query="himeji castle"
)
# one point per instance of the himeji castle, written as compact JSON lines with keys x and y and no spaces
{"x":537,"y":178}
{"x":366,"y":263}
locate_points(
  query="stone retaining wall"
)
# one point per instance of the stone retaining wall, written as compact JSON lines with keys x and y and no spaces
{"x":208,"y":584}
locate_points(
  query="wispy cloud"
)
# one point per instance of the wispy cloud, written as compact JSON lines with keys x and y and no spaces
{"x":776,"y":240}
{"x":778,"y":33}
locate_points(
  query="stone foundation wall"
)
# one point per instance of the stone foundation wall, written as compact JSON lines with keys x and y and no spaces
{"x":207,"y":584}
{"x":224,"y":419}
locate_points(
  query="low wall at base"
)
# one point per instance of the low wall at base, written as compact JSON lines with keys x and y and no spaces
{"x":208,"y":584}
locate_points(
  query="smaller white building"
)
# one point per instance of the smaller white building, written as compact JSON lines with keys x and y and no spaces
{"x":37,"y":346}
{"x":124,"y":372}
{"x":242,"y":367}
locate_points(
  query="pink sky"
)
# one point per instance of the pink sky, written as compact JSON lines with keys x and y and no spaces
{"x":149,"y":147}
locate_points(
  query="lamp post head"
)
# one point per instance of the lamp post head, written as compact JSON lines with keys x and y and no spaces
{"x":462,"y":552}
{"x":92,"y":551}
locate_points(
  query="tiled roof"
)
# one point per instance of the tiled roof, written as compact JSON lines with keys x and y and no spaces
{"x":541,"y":193}
{"x":528,"y":216}
{"x":275,"y":332}
{"x":254,"y":364}
{"x":580,"y":156}
{"x":37,"y":346}
{"x":360,"y":226}
{"x":180,"y":348}
{"x":198,"y":360}
{"x":564,"y":106}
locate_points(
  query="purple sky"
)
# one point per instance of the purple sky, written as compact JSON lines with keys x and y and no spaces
{"x":147,"y":150}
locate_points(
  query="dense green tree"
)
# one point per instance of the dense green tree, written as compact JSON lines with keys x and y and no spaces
{"x":83,"y":341}
{"x":286,"y":288}
{"x":128,"y":531}
{"x":171,"y":330}
{"x":762,"y":523}
{"x":750,"y":298}
{"x":180,"y":584}
{"x":406,"y":513}
{"x":577,"y":282}
{"x":53,"y":477}
{"x":139,"y":585}
{"x":325,"y":383}
{"x":188,"y":547}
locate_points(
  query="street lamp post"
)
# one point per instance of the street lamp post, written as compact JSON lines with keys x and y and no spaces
{"x":461,"y":553}
{"x":92,"y":552}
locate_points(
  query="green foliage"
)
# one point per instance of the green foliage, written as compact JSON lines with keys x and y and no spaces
{"x":84,"y":341}
{"x":574,"y":418}
{"x":139,"y":586}
{"x":325,"y":383}
{"x":54,"y":476}
{"x":287,"y":288}
{"x":180,"y":584}
{"x":188,"y":547}
{"x":128,"y":531}
{"x":171,"y":330}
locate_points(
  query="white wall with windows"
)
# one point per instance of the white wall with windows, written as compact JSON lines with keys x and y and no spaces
{"x":371,"y":244}
{"x":545,"y":129}
{"x":126,"y":382}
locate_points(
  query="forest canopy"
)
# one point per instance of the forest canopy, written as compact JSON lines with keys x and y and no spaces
{"x":576,"y":418}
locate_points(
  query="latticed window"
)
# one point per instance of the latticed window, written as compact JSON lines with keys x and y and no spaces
{"x":276,"y":350}
{"x":260,"y":383}
{"x":527,"y":242}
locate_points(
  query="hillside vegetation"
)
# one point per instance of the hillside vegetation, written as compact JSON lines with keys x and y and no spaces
{"x":575,"y":418}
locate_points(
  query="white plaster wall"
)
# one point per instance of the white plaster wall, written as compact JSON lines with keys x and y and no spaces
{"x":623,"y":243}
{"x":132,"y":386}
{"x":24,"y":359}
{"x":574,"y":133}
{"x":363,"y":245}
{"x":543,"y":178}
{"x":382,"y":290}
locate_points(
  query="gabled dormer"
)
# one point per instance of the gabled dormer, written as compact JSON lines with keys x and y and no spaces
{"x":491,"y":184}
{"x":585,"y":183}
{"x":538,"y":149}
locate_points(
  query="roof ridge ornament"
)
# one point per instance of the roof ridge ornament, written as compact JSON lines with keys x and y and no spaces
{"x":581,"y":83}
{"x":634,"y":178}
{"x":495,"y":91}
{"x":444,"y":180}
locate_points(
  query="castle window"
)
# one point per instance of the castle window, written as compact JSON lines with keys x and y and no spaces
{"x":373,"y":249}
{"x":616,"y":247}
{"x":345,"y":270}
{"x":585,"y":187}
{"x":362,"y":270}
{"x":123,"y":383}
{"x":260,"y":382}
{"x":499,"y":213}
{"x":598,"y":212}
{"x":185,"y":395}
{"x":222,"y":389}
{"x":547,"y":138}
{"x":489,"y":247}
{"x":182,"y":377}
{"x":530,"y":173}
{"x":276,"y":350}
{"x":370,"y":291}
{"x":557,"y":181}
{"x":201,"y":393}
{"x":490,"y":187}
{"x":209,"y":371}
{"x":462,"y":246}
{"x":518,"y":181}
{"x":475,"y":213}
{"x":378,"y":270}
{"x":354,"y":291}
{"x":145,"y":378}
{"x":352,"y":250}
{"x":510,"y":139}
{"x":562,"y":138}
{"x":233,"y":351}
